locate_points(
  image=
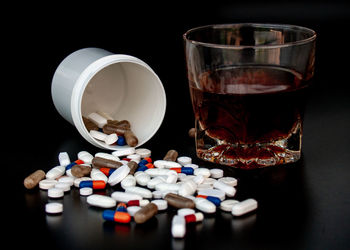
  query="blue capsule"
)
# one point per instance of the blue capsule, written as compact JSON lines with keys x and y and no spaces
{"x":121,"y":141}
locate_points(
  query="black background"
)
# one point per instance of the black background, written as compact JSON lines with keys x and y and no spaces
{"x":301,"y":206}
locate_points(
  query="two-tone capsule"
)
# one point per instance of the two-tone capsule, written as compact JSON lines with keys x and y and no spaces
{"x":212,"y":199}
{"x":117,"y":216}
{"x":98,"y":184}
{"x":107,"y":171}
{"x":70,"y":165}
{"x":184,"y":170}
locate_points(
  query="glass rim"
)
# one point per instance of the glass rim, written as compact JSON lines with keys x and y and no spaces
{"x":263,"y":25}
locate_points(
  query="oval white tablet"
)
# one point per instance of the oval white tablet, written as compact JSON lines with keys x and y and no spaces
{"x":244,"y":207}
{"x":118,"y":175}
{"x":161,"y":204}
{"x":103,"y":201}
{"x":85,"y":191}
{"x":55,"y":172}
{"x":125,"y":197}
{"x":184,"y":160}
{"x":185,"y":211}
{"x":46,"y":184}
{"x":143,"y":152}
{"x":229,"y":181}
{"x":53,"y":208}
{"x":229,"y":190}
{"x":216,"y":173}
{"x":204,"y":205}
{"x":227,"y":205}
{"x":85,"y":156}
{"x":202,"y":171}
{"x":110,"y":139}
{"x":124,"y":152}
{"x":144,"y":192}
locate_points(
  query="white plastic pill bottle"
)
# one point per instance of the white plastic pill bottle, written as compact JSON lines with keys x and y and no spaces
{"x":95,"y":80}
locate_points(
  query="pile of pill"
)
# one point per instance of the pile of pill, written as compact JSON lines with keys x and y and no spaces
{"x":104,"y":128}
{"x":148,"y":186}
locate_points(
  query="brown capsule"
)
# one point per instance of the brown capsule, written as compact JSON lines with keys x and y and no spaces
{"x":120,"y":124}
{"x":80,"y":171}
{"x":113,"y":129}
{"x":99,"y":162}
{"x":89,"y":124}
{"x":133,"y":166}
{"x":171,"y":155}
{"x":179,"y":201}
{"x":33,"y":180}
{"x":130,"y":138}
{"x":146,"y":213}
{"x":192,"y":132}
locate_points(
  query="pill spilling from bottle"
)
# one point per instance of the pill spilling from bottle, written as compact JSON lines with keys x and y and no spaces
{"x":147,"y":186}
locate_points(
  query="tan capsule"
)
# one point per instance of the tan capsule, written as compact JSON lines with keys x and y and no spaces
{"x":80,"y":171}
{"x":120,"y":124}
{"x":89,"y":124}
{"x":171,"y":155}
{"x":146,"y":213}
{"x":133,"y":166}
{"x":99,"y":162}
{"x":130,"y":138}
{"x":179,"y":201}
{"x":192,"y":132}
{"x":113,"y":129}
{"x":32,"y":180}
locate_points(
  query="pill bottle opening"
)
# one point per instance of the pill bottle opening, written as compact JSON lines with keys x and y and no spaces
{"x":125,"y":90}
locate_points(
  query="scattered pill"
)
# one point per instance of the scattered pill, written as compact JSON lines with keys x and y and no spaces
{"x":195,"y":217}
{"x":93,"y":184}
{"x":110,"y":139}
{"x":215,"y":200}
{"x":130,"y":138}
{"x":187,"y":188}
{"x":134,"y":157}
{"x":85,"y":156}
{"x":161,"y":204}
{"x":98,"y":135}
{"x":53,"y":208}
{"x":46,"y":184}
{"x":146,"y":213}
{"x":78,"y":180}
{"x":183,"y":160}
{"x":133,"y":166}
{"x":229,"y":181}
{"x":178,"y":201}
{"x":128,"y":181}
{"x":124,"y":152}
{"x":166,"y":164}
{"x":185,"y":211}
{"x":63,"y":159}
{"x":167,"y":187}
{"x":178,"y":226}
{"x":213,"y":192}
{"x":113,"y":129}
{"x":194,"y":166}
{"x":99,"y":162}
{"x":125,"y":197}
{"x":56,"y":172}
{"x":142,"y":179}
{"x":89,"y":125}
{"x":132,"y":210}
{"x":143,"y":152}
{"x":64,"y":186}
{"x":216,"y":173}
{"x":139,"y":203}
{"x":117,"y":216}
{"x":171,"y":155}
{"x":103,"y":201}
{"x":229,"y":190}
{"x":121,"y":207}
{"x":98,"y":175}
{"x":204,"y":205}
{"x":67,"y":179}
{"x":227,"y":205}
{"x":244,"y":207}
{"x":34,"y":179}
{"x":70,"y":165}
{"x":55,"y":192}
{"x":118,"y":175}
{"x":144,"y":192}
{"x":202,"y":171}
{"x":85,"y":191}
{"x":79,"y":171}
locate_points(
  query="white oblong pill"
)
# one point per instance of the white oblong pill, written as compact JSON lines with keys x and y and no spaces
{"x":144,"y":192}
{"x":129,"y":181}
{"x":153,"y":182}
{"x":85,"y":156}
{"x":64,"y":159}
{"x":125,"y":197}
{"x":55,"y":172}
{"x":161,"y":204}
{"x":216,"y":173}
{"x":227,"y":205}
{"x":143,"y":152}
{"x":53,"y":208}
{"x":46,"y":184}
{"x":184,"y":160}
{"x":171,"y":178}
{"x":199,"y":179}
{"x":204,"y":186}
{"x":171,"y":187}
{"x":103,"y":201}
{"x":202,"y":171}
{"x":107,"y":156}
{"x":191,"y":165}
{"x":185,"y":211}
{"x":229,"y":181}
{"x":97,"y":175}
{"x":124,"y":152}
{"x":166,"y":164}
{"x":64,"y":186}
{"x":99,"y":120}
{"x":157,"y":194}
{"x":229,"y":190}
{"x":178,"y":226}
{"x":142,"y":179}
{"x":85,"y":191}
{"x":55,"y":192}
{"x":209,"y":181}
{"x":118,"y":175}
{"x":244,"y":207}
{"x":132,"y":210}
{"x":204,"y":205}
{"x":188,"y":188}
{"x":98,"y":135}
{"x":153,"y":172}
{"x":213,"y":192}
{"x":110,"y":139}
{"x":134,"y":157}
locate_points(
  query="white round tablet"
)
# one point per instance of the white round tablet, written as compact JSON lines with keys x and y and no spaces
{"x":46,"y":184}
{"x":227,"y":205}
{"x":184,"y":160}
{"x":64,"y":186}
{"x":55,"y":192}
{"x":143,"y":152}
{"x":216,"y":173}
{"x":54,"y":208}
{"x":161,"y":204}
{"x":185,"y":211}
{"x":229,"y":181}
{"x":85,"y":191}
{"x":202,"y":171}
{"x":157,"y":194}
{"x":132,"y":210}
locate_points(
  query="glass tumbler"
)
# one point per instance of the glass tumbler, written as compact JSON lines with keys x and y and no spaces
{"x":248,"y":84}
